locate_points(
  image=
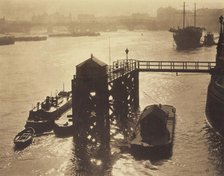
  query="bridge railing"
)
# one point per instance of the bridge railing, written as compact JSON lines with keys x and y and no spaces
{"x":124,"y":66}
{"x":175,"y":65}
{"x":120,"y":68}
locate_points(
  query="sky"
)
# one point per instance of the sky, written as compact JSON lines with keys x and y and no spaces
{"x":27,"y":8}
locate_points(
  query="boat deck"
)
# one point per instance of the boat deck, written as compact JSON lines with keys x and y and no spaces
{"x":61,"y":101}
{"x":23,"y":137}
{"x":164,"y":140}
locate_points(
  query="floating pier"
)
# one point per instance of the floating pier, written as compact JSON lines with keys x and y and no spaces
{"x":103,"y":94}
{"x":101,"y":91}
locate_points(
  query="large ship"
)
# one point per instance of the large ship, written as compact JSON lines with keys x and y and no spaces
{"x":215,"y":96}
{"x":187,"y":37}
{"x":42,"y":117}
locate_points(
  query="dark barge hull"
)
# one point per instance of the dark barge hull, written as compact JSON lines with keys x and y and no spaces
{"x":142,"y":149}
{"x":40,"y":126}
{"x":142,"y":152}
{"x":63,"y":131}
{"x":7,"y":40}
{"x":215,"y":107}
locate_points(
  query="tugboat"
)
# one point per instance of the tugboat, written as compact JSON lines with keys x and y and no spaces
{"x":209,"y":39}
{"x":42,"y":117}
{"x":7,"y":40}
{"x":24,"y":138}
{"x":215,"y":95}
{"x":154,"y":130}
{"x":187,"y":37}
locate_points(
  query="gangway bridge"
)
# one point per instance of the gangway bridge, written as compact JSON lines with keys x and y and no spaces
{"x":122,"y":67}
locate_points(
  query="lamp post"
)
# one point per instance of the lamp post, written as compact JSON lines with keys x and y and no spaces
{"x":126,"y":51}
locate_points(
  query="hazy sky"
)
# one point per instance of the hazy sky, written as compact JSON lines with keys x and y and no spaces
{"x":26,"y":8}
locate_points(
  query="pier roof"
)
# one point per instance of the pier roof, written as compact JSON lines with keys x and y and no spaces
{"x":91,"y":68}
{"x":92,"y":61}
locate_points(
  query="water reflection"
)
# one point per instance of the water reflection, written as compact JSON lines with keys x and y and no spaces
{"x":215,"y":149}
{"x":96,"y":158}
{"x":90,"y":160}
{"x":99,"y":159}
{"x":154,"y":155}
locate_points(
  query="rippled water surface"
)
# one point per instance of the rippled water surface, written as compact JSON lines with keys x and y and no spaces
{"x":29,"y":71}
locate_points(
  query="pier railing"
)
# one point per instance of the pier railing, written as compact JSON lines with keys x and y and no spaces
{"x":122,"y":67}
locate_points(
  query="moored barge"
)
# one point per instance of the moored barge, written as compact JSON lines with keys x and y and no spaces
{"x":154,"y":131}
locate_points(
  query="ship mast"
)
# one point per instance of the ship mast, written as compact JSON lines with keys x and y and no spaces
{"x":184,"y":15}
{"x":194,"y":14}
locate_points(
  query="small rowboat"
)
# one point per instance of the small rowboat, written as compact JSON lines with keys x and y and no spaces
{"x":24,"y":138}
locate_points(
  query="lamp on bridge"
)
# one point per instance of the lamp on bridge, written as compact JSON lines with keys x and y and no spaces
{"x":126,"y":51}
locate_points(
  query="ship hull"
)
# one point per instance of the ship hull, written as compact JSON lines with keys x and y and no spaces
{"x":43,"y":121}
{"x":63,"y":127}
{"x":40,"y":126}
{"x":143,"y":148}
{"x":215,"y":107}
{"x":187,"y":38}
{"x":7,"y":40}
{"x":63,"y":130}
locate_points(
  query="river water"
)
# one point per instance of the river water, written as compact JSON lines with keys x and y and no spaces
{"x":29,"y":71}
